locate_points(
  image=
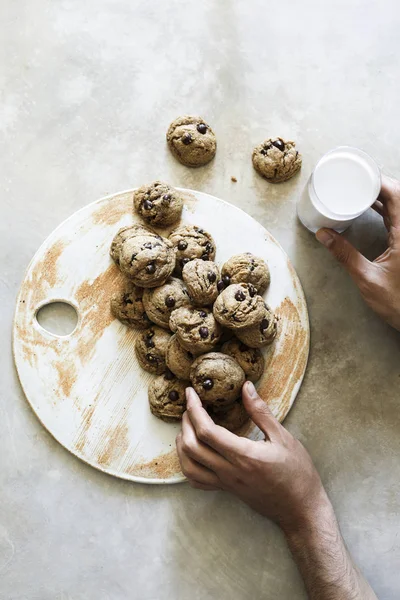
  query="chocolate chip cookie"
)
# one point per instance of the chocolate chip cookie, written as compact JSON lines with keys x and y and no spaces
{"x":167,"y":397}
{"x":158,"y":204}
{"x":276,"y":159}
{"x":191,"y":242}
{"x":201,"y":279}
{"x":217,"y":378}
{"x":147,"y":259}
{"x":159,"y":302}
{"x":192,"y":141}
{"x":247,"y":268}
{"x":178,"y":359}
{"x":261,"y":333}
{"x":196,"y":329}
{"x":127,"y":307}
{"x":124,"y":234}
{"x":150,"y":348}
{"x":232,"y":417}
{"x":250,"y":359}
{"x":239,"y":306}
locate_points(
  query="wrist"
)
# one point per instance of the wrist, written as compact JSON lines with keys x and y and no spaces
{"x":310,"y":519}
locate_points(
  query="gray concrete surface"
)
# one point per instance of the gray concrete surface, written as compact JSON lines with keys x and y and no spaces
{"x":88,"y":89}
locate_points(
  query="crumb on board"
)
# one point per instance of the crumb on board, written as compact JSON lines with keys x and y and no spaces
{"x":233,"y":179}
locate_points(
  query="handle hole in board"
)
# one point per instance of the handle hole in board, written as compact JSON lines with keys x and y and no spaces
{"x":58,"y":317}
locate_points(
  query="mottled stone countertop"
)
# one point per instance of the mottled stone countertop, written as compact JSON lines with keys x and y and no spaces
{"x":88,"y":90}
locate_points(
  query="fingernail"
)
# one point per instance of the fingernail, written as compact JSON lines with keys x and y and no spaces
{"x":325,"y":237}
{"x":251,"y":390}
{"x":189,"y":393}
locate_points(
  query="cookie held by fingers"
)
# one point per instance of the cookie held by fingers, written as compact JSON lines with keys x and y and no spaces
{"x":217,"y":378}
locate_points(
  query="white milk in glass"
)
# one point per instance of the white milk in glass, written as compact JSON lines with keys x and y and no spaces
{"x":343,"y":185}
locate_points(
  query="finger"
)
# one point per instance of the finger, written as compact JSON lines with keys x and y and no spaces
{"x":351,"y":259}
{"x":201,"y":486}
{"x":193,"y":470}
{"x":223,"y":441}
{"x":390,"y":198}
{"x":378,"y":208}
{"x":200,"y":452}
{"x":260,"y":413}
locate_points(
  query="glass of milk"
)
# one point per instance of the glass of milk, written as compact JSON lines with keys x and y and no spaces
{"x":345,"y":183}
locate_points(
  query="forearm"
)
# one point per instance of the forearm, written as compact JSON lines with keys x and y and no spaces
{"x":323,"y":560}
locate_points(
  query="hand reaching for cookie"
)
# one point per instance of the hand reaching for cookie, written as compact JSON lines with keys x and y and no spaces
{"x":378,"y":281}
{"x":275,"y":477}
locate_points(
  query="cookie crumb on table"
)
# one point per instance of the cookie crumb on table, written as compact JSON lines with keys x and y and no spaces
{"x":233,"y":179}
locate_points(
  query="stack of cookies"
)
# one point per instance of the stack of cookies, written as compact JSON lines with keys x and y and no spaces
{"x":200,"y":326}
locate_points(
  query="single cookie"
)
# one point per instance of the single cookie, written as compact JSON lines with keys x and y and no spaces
{"x":201,"y":278}
{"x":232,"y":418}
{"x":247,"y":268}
{"x":191,"y":141}
{"x":217,"y":378}
{"x":147,"y":259}
{"x":127,"y":307}
{"x":158,"y":203}
{"x":276,"y":160}
{"x":250,"y":359}
{"x":159,"y":302}
{"x":191,"y":242}
{"x":196,"y":329}
{"x":167,"y":397}
{"x":261,"y":333}
{"x":239,"y":306}
{"x":124,"y":234}
{"x":178,"y":359}
{"x":150,"y":348}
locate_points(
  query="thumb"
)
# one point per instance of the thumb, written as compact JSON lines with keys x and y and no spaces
{"x":352,"y":260}
{"x":260,"y":413}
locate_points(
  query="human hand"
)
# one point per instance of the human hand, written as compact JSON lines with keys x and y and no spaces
{"x":276,"y":476}
{"x":378,"y":281}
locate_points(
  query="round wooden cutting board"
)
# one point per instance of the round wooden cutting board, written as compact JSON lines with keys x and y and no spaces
{"x":87,"y":388}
